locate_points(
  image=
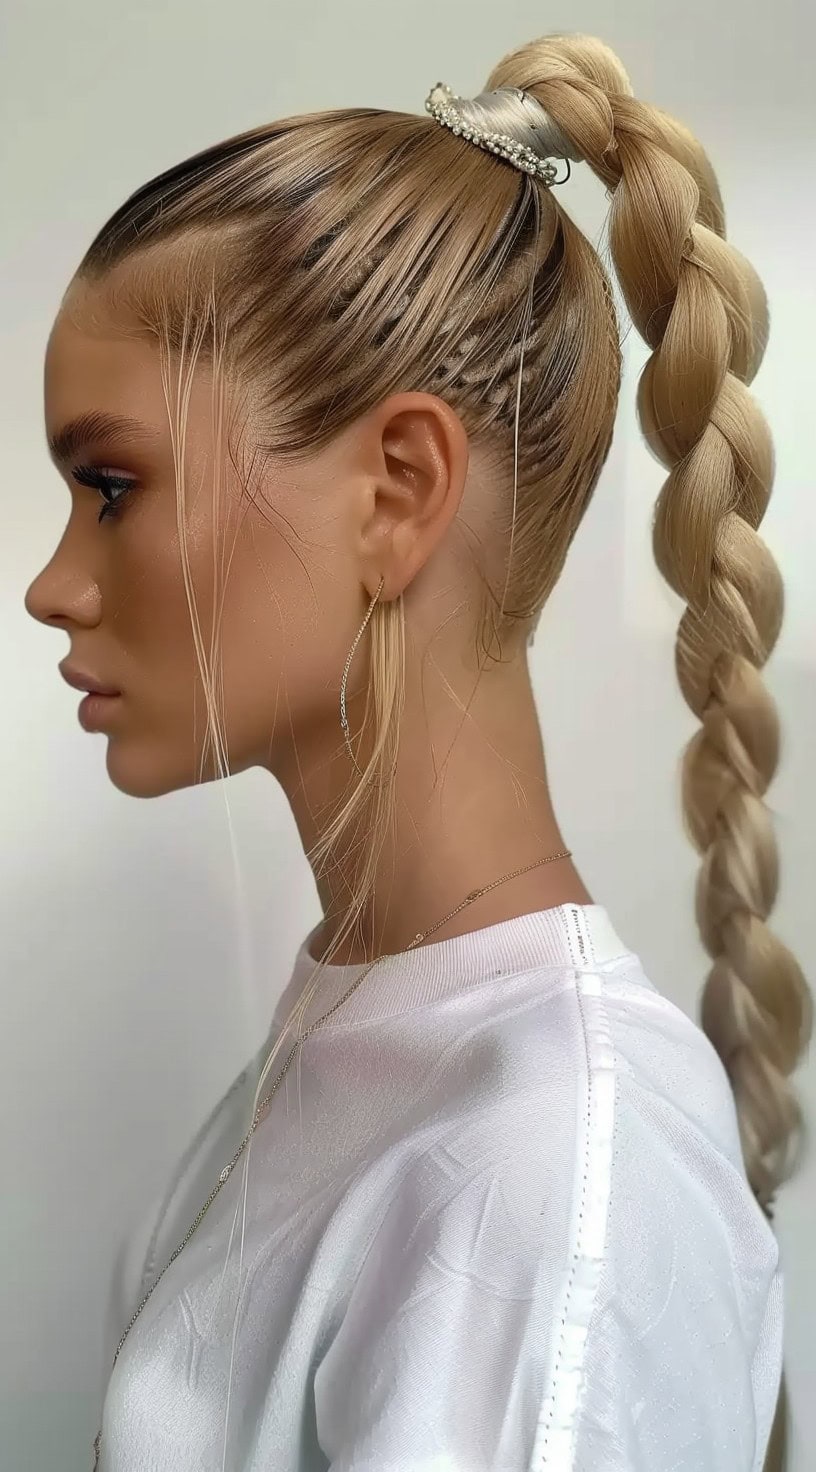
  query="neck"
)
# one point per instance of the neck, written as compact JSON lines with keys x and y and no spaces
{"x":472,"y":806}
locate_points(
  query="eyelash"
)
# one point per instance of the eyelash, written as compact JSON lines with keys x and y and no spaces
{"x":88,"y":475}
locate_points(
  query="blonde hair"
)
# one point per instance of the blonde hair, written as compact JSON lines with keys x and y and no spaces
{"x":324,"y":261}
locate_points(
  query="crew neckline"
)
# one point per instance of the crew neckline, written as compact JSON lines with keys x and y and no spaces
{"x":570,"y":935}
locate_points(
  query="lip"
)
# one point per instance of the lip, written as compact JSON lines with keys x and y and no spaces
{"x":78,"y":680}
{"x":95,"y":709}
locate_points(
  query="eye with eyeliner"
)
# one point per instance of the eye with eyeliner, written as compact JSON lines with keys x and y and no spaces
{"x":114,"y":488}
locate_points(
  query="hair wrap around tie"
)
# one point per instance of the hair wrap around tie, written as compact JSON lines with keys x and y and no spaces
{"x":508,"y":122}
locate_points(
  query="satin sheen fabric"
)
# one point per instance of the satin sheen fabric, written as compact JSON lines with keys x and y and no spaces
{"x":497,"y":1220}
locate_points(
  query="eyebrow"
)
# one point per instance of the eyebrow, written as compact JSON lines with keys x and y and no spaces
{"x":66,"y":443}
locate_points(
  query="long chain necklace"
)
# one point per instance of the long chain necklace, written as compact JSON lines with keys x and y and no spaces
{"x":475,"y":894}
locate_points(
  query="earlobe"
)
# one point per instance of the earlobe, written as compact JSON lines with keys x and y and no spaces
{"x":376,"y":586}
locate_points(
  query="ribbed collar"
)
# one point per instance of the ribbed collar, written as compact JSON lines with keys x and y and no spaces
{"x":564,"y":936}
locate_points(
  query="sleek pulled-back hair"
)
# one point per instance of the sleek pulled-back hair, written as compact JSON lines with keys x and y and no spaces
{"x":325,"y":261}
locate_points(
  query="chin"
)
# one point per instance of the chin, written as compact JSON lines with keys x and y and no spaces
{"x":138,"y":772}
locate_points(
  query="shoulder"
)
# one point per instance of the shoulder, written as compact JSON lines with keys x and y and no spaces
{"x":682,"y":1337}
{"x":554,"y":1070}
{"x":667,"y":1265}
{"x":573,"y":1202}
{"x":604,"y":1113}
{"x":570,"y":1075}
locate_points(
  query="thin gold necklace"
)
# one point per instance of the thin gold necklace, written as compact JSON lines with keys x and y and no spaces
{"x":228,"y":1169}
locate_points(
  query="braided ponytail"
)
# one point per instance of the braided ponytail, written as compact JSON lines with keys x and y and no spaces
{"x":702,"y":310}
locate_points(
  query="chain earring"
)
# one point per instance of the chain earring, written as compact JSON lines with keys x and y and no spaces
{"x":343,"y":717}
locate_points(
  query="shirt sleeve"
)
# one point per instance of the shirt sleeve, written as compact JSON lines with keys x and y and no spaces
{"x":482,"y":1336}
{"x":683,"y":1357}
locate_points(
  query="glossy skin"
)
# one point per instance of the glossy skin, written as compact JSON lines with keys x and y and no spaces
{"x":117,"y":586}
{"x":306,"y":550}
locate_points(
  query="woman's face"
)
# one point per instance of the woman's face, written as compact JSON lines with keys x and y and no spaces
{"x":116,"y":586}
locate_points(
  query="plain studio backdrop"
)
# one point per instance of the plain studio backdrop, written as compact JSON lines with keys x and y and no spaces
{"x":137,"y":972}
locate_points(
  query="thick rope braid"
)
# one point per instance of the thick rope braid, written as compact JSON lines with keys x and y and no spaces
{"x":701,"y":308}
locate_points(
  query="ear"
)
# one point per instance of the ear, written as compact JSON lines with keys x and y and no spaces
{"x":415,"y":456}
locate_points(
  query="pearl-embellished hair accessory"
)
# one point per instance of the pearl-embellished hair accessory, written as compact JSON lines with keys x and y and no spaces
{"x":469,"y":118}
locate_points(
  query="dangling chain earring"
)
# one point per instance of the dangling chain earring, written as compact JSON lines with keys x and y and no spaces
{"x":343,"y":718}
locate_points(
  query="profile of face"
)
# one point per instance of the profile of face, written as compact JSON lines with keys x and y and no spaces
{"x":286,"y":601}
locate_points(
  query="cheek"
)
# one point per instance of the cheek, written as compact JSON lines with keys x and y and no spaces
{"x":145,"y":609}
{"x":281,"y":663}
{"x":285,"y":629}
{"x":153,"y":628}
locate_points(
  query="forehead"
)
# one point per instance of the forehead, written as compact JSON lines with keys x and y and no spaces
{"x":103,"y":364}
{"x":95,"y":361}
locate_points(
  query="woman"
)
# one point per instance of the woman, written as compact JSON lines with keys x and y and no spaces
{"x":345,"y":385}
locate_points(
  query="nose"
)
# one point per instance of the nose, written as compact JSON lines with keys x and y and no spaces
{"x":61,"y":598}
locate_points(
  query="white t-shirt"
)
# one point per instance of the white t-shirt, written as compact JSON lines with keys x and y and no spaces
{"x":496,"y":1221}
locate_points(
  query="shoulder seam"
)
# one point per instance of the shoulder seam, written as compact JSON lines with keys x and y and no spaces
{"x":592,"y":1186}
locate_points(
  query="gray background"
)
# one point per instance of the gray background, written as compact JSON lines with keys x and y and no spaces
{"x":142,"y":945}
